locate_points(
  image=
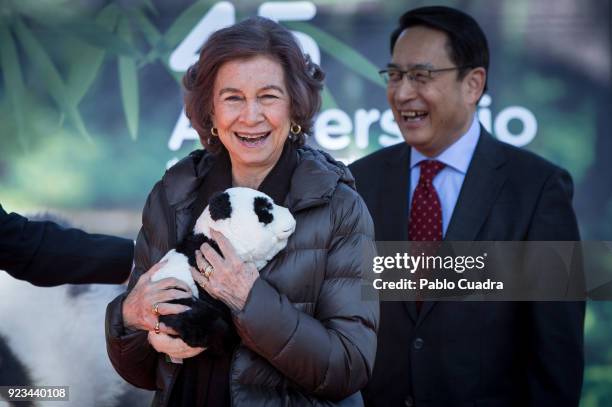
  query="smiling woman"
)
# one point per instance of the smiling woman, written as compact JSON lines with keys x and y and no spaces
{"x":305,"y":336}
{"x":251,"y":115}
{"x":299,"y":78}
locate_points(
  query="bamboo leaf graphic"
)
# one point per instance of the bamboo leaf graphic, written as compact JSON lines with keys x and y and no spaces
{"x":149,"y":30}
{"x":92,"y":33}
{"x":184,"y":23}
{"x":154,"y":39}
{"x":13,"y":81}
{"x":128,"y":82}
{"x":88,"y":59}
{"x":102,"y":38}
{"x":83,"y":71}
{"x":151,"y":7}
{"x":340,"y":51}
{"x":50,"y":76}
{"x":151,"y":34}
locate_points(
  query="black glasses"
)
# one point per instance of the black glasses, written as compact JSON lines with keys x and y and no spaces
{"x":419,"y":76}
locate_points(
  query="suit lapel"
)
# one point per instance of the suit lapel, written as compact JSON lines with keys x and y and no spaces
{"x":483,"y":181}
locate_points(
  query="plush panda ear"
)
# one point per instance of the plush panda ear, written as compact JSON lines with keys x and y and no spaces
{"x":263,"y":209}
{"x":220,"y":206}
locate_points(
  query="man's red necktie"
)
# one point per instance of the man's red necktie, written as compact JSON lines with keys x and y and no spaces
{"x":425,"y":222}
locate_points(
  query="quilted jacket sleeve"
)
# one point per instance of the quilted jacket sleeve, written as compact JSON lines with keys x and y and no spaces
{"x":129,"y":351}
{"x":330,"y":355}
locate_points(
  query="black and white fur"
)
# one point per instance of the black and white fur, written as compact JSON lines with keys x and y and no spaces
{"x":256,"y":227}
{"x":54,"y":336}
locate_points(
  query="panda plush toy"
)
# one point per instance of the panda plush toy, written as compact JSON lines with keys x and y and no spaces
{"x":256,"y":227}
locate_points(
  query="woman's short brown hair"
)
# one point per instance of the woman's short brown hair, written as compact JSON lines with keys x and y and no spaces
{"x":255,"y":36}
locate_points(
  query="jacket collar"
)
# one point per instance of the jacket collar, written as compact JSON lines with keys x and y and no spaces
{"x":313,"y":183}
{"x":182,"y":180}
{"x":315,"y":179}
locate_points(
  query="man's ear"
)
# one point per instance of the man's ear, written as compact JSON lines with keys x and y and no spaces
{"x":474,"y":84}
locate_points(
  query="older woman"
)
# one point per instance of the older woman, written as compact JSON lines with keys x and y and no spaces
{"x":305,"y":335}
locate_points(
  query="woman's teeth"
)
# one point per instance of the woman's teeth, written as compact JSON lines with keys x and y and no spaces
{"x":252,"y":139}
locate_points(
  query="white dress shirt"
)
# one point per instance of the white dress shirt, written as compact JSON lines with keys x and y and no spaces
{"x":449,"y":180}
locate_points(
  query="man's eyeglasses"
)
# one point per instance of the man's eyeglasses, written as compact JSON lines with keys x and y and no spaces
{"x":420,"y":76}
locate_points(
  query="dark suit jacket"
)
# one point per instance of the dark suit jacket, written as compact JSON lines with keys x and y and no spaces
{"x":46,"y":254}
{"x":477,"y":353}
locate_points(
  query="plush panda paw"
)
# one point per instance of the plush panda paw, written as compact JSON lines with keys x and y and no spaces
{"x":207,"y":324}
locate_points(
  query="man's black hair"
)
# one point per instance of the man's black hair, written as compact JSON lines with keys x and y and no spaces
{"x":467,"y":43}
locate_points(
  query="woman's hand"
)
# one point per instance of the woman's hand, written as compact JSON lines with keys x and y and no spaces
{"x":231,"y":279}
{"x":147,"y":297}
{"x":172,"y":346}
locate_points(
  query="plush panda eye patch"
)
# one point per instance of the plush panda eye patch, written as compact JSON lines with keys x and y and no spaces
{"x":263,"y":209}
{"x":220,"y":206}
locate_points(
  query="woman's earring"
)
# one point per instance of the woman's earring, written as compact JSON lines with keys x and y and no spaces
{"x":295,"y":129}
{"x":214,"y":131}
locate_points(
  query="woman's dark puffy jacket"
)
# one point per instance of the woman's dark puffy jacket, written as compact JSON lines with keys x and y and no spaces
{"x":307,"y":338}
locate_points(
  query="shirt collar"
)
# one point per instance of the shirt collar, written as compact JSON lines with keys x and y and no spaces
{"x":458,"y":155}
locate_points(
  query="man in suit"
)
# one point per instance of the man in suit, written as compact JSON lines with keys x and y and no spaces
{"x":474,"y":188}
{"x":46,"y":254}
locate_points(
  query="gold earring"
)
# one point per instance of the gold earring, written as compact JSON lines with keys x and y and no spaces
{"x":214,"y":132}
{"x":295,"y":129}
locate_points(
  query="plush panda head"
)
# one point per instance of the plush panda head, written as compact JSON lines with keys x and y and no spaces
{"x":256,"y":227}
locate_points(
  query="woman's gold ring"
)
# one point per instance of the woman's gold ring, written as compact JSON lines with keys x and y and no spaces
{"x":208,"y":271}
{"x":156,"y":308}
{"x":157,"y":327}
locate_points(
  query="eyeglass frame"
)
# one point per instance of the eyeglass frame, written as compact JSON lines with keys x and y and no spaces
{"x":384,"y":73}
